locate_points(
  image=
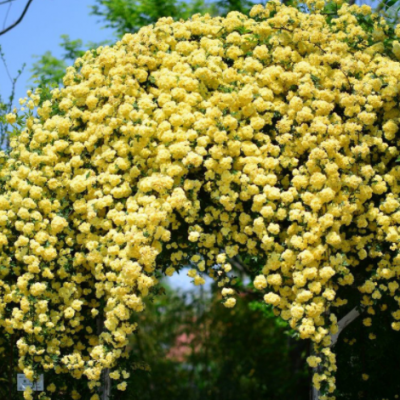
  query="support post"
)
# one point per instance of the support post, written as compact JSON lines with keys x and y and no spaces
{"x":105,"y":388}
{"x":106,"y":385}
{"x":346,"y":320}
{"x":314,"y":393}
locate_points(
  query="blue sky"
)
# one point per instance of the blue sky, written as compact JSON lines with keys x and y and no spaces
{"x":40,"y":31}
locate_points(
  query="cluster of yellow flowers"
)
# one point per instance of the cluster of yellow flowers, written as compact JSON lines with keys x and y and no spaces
{"x":273,"y":135}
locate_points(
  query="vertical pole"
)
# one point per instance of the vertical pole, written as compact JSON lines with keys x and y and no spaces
{"x":11,"y":373}
{"x":106,"y":385}
{"x":314,"y":392}
{"x":105,"y":375}
{"x":346,"y":320}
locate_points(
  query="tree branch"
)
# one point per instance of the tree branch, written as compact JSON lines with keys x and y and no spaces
{"x":19,"y":19}
{"x":6,"y":1}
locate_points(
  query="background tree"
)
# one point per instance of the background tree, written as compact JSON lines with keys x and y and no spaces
{"x":196,"y":349}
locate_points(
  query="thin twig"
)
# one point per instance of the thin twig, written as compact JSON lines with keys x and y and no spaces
{"x":18,"y":20}
{"x":5,"y":65}
{"x":5,"y":2}
{"x":8,"y":11}
{"x":4,"y":138}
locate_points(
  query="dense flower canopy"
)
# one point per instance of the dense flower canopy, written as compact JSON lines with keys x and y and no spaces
{"x":272,"y":135}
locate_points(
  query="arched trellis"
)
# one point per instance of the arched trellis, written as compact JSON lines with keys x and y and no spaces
{"x":270,"y":136}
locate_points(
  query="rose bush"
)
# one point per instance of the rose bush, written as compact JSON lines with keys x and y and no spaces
{"x":272,"y":137}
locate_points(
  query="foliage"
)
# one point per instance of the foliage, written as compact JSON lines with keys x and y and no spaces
{"x":49,"y":70}
{"x":197,"y":350}
{"x":129,"y":16}
{"x":126,"y":16}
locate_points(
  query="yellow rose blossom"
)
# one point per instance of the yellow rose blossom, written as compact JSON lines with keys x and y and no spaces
{"x":11,"y":118}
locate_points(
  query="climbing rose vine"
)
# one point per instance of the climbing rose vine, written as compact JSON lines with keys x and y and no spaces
{"x":272,"y":136}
